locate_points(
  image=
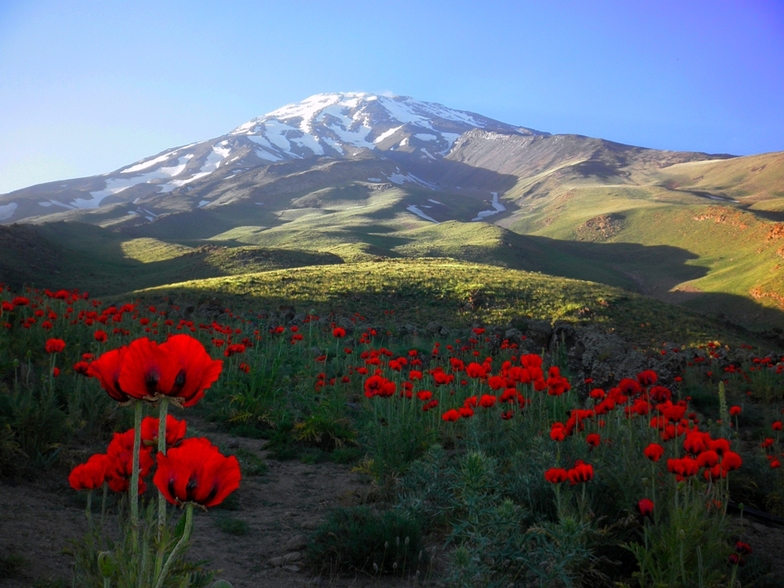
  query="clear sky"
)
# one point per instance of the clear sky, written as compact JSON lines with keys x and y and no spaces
{"x":89,"y":86}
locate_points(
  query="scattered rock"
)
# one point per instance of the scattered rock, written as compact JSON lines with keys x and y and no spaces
{"x":309,"y":525}
{"x":292,"y":557}
{"x":296,"y":543}
{"x":539,"y":334}
{"x":437,"y":329}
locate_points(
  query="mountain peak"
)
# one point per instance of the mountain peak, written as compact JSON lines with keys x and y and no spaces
{"x":341,"y":124}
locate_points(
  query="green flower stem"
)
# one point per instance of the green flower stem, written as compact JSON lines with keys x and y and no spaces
{"x":163,"y":411}
{"x":104,"y":495}
{"x":134,"y":488}
{"x":53,"y":357}
{"x":179,"y":547}
{"x":89,"y":509}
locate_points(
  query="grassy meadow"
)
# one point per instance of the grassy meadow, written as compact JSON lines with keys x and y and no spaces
{"x":487,"y":464}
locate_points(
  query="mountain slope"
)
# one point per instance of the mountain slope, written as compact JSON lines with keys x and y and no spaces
{"x":358,"y":176}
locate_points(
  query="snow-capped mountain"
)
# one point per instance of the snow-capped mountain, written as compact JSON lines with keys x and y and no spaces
{"x":336,"y":125}
{"x":331,"y":126}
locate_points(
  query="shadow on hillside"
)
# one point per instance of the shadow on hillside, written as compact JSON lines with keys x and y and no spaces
{"x":770,"y":215}
{"x":646,"y":269}
{"x":731,"y":308}
{"x":86,"y":257}
{"x":657,"y":271}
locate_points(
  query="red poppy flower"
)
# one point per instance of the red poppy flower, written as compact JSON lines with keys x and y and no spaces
{"x":629,"y":387}
{"x":580,"y":473}
{"x":54,"y":345}
{"x":743,"y":548}
{"x":735,"y":560}
{"x":597,"y":394}
{"x":487,"y":401}
{"x":234,"y":349}
{"x":338,"y":332}
{"x":714,"y":473}
{"x":557,"y":432}
{"x":645,"y":507}
{"x":720,"y":446}
{"x":696,"y":442}
{"x":496,"y":382}
{"x":119,"y":469}
{"x":107,"y":370}
{"x":508,"y":395}
{"x":100,"y":336}
{"x":450,"y":416}
{"x":730,"y":461}
{"x":379,"y":386}
{"x":81,"y":367}
{"x":647,"y":378}
{"x":707,"y":459}
{"x":430,"y":405}
{"x":593,"y":439}
{"x":735,"y":410}
{"x":180,"y":369}
{"x":683,"y":468}
{"x":556,"y":475}
{"x":196,"y":472}
{"x":660,"y":394}
{"x":90,"y":475}
{"x":175,"y":431}
{"x":777,"y":426}
{"x":465,"y":412}
{"x":531,"y":361}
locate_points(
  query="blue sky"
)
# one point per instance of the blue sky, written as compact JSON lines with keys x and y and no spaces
{"x":92,"y":85}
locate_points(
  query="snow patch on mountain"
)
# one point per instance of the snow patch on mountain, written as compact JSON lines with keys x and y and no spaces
{"x":8,"y":210}
{"x":117,"y":185}
{"x":497,"y":207}
{"x":387,"y":133}
{"x":146,"y":164}
{"x":416,"y":210}
{"x":399,"y":179}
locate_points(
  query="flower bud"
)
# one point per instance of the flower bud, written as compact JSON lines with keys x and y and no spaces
{"x":107,"y":564}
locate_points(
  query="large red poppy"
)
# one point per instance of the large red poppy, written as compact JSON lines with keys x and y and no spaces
{"x":196,"y":472}
{"x":196,"y":370}
{"x":55,"y":345}
{"x":120,"y":466}
{"x":90,"y":475}
{"x":107,"y":370}
{"x":175,"y":431}
{"x":180,"y":369}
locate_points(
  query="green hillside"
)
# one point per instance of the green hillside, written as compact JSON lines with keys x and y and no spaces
{"x":450,"y":292}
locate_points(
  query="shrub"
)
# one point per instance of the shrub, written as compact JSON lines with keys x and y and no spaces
{"x":359,"y":539}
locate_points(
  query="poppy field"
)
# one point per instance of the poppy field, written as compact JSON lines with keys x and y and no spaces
{"x":487,"y":461}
